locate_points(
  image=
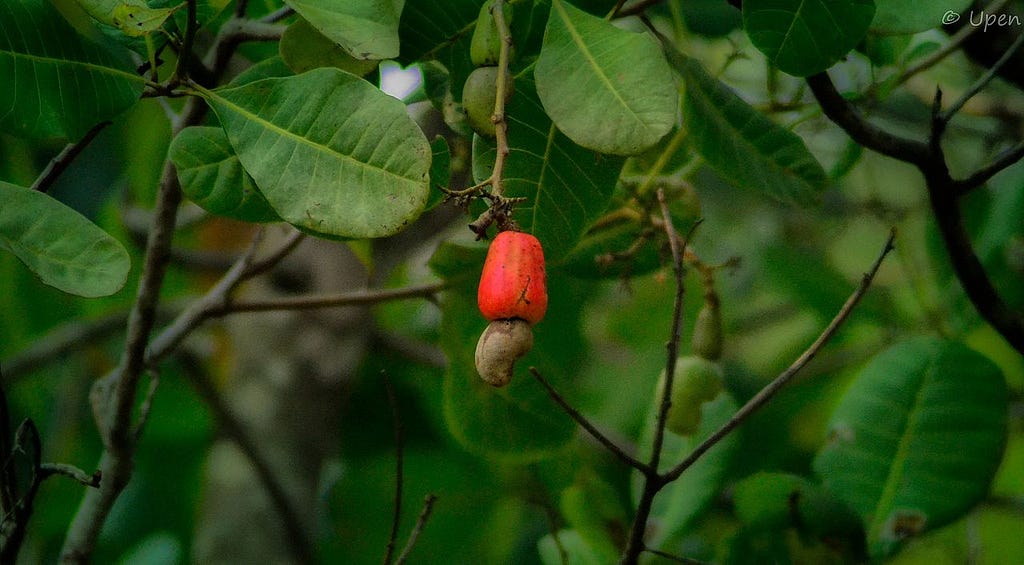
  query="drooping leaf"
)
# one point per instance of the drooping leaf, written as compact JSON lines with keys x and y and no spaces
{"x":58,"y":84}
{"x":212,"y":177}
{"x":606,"y":88}
{"x":330,"y":152}
{"x":741,"y":144}
{"x":59,"y":245}
{"x":303,"y":48}
{"x":803,"y":37}
{"x":916,"y":440}
{"x":566,"y":186}
{"x":912,"y":16}
{"x":367,"y":29}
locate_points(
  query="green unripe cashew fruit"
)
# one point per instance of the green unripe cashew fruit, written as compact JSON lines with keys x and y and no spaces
{"x":478,"y":96}
{"x":707,"y":331}
{"x":485,"y":44}
{"x":697,"y":380}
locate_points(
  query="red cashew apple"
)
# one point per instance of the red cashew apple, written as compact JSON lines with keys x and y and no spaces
{"x":513,"y":283}
{"x":513,"y":296}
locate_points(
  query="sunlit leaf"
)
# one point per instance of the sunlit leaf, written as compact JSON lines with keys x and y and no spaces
{"x":566,"y":186}
{"x":803,"y":37}
{"x":741,"y":144}
{"x":331,"y":153}
{"x":367,"y":29}
{"x":916,"y":440}
{"x":912,"y":16}
{"x":57,"y":83}
{"x":212,"y":177}
{"x":607,"y":89}
{"x":62,"y":247}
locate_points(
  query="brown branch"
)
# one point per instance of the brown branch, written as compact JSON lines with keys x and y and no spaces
{"x":943,"y":193}
{"x":653,"y":481}
{"x":983,"y":80}
{"x":982,"y":175}
{"x":313,"y":302}
{"x":587,"y":425}
{"x":421,"y":522}
{"x":63,"y":160}
{"x":49,"y":469}
{"x":762,"y":397}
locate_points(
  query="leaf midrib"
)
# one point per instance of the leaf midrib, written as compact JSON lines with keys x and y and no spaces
{"x":300,"y":139}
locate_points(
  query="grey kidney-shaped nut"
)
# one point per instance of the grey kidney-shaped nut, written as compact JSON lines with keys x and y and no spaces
{"x":500,"y":346}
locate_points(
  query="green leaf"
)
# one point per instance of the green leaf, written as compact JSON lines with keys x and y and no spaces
{"x":303,"y":48}
{"x":440,"y":171}
{"x":686,"y":498}
{"x":367,"y":29}
{"x":566,"y":186}
{"x":916,"y":440}
{"x":212,"y":177}
{"x":912,"y":16}
{"x":331,"y":153}
{"x":741,"y":144}
{"x":606,"y":88}
{"x":59,"y":84}
{"x":776,"y":501}
{"x":62,"y":247}
{"x":804,"y":37}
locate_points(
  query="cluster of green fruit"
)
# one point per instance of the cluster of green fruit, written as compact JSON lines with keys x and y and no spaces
{"x":698,"y":377}
{"x":479,"y":93}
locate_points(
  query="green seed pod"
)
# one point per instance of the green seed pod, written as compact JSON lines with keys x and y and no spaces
{"x":478,"y":96}
{"x":707,"y":331}
{"x":485,"y":44}
{"x":697,"y":380}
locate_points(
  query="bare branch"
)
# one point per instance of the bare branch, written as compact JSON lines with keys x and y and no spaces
{"x":762,"y":397}
{"x":421,"y":522}
{"x":357,"y":298}
{"x":591,"y":429}
{"x":983,"y":80}
{"x":63,"y":160}
{"x":982,"y":175}
{"x":49,"y":469}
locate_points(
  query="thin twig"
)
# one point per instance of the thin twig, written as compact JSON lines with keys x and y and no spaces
{"x":653,"y":482}
{"x":983,"y":80}
{"x":421,"y":522}
{"x":314,"y":302}
{"x":396,"y":422}
{"x":63,"y":160}
{"x":586,"y":425}
{"x":278,"y":15}
{"x":85,"y":479}
{"x":501,"y":93}
{"x":671,"y":557}
{"x":762,"y":397}
{"x":955,"y":41}
{"x":147,"y":402}
{"x":982,"y":175}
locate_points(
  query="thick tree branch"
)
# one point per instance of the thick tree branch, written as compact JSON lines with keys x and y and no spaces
{"x":943,"y":194}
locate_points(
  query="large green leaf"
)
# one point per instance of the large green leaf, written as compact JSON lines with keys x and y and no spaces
{"x":367,"y":29}
{"x":606,"y":88}
{"x":741,"y":144}
{"x":61,"y":246}
{"x":566,"y":186}
{"x":331,"y":153}
{"x":912,"y":16}
{"x":303,"y":48}
{"x":212,"y":177}
{"x":803,"y":37}
{"x":916,"y":440}
{"x":57,"y":84}
{"x":686,"y":498}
